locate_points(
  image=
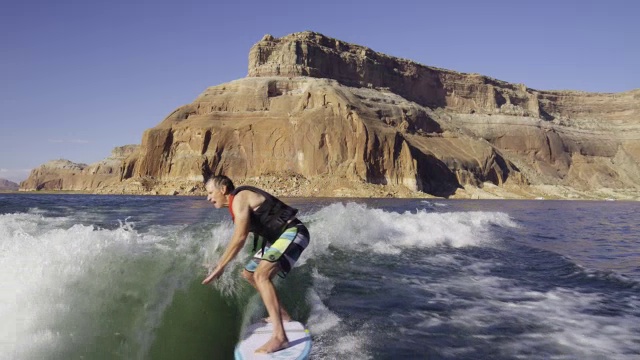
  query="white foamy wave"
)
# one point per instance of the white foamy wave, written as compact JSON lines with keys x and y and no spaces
{"x":560,"y":320}
{"x":50,"y":273}
{"x":230,"y":282}
{"x":357,"y":227}
{"x":25,"y":225}
{"x":332,"y":339}
{"x":321,"y":318}
{"x":322,"y":285}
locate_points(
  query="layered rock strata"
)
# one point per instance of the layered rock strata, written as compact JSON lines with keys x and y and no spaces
{"x":316,"y":108}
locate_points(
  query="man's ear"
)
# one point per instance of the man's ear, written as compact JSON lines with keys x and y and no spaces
{"x":224,"y":189}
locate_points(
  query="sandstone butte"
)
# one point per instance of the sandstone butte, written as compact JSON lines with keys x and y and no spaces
{"x":317,"y":116}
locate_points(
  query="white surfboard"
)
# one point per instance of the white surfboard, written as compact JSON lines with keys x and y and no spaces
{"x":258,"y":334}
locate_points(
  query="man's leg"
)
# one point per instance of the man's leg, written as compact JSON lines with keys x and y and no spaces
{"x":248,"y":275}
{"x":264,"y":273}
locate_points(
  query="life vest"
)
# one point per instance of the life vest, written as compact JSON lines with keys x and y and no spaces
{"x":270,"y":219}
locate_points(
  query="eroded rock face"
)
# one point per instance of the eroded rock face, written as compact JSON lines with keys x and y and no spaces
{"x":315,"y":107}
{"x":314,"y":127}
{"x":315,"y":55}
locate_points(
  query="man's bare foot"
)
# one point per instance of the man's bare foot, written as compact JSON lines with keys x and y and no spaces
{"x":285,"y":319}
{"x":272,"y":346}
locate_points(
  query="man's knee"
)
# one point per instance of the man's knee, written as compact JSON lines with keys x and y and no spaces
{"x":261,"y":275}
{"x":265,"y":272}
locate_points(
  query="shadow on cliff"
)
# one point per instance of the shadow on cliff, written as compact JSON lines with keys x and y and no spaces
{"x":434,"y":176}
{"x":424,"y":86}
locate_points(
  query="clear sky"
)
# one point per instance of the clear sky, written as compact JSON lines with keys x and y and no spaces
{"x":80,"y":77}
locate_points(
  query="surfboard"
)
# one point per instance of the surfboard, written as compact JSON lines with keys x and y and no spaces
{"x":258,"y":334}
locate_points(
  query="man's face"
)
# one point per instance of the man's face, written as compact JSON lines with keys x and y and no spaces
{"x":215,"y":195}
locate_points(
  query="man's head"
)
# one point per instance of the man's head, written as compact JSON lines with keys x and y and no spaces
{"x":218,"y":187}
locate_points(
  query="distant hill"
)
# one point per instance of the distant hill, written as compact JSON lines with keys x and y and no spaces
{"x":6,"y":185}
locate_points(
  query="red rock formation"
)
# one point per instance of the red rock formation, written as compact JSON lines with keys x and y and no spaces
{"x":316,"y":108}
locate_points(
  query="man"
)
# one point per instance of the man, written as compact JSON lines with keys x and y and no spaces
{"x":284,"y":239}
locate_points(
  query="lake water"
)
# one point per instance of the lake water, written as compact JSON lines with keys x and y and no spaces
{"x":118,"y":277}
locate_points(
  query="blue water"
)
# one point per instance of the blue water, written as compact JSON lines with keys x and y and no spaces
{"x":118,"y":277}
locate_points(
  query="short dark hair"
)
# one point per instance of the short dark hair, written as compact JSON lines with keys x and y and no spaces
{"x":221,"y":180}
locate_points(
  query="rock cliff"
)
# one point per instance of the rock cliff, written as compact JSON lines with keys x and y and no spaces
{"x":318,"y":116}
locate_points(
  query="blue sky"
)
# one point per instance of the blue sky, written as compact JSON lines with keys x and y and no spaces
{"x":80,"y":77}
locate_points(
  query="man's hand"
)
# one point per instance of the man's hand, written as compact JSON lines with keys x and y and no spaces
{"x":216,"y":273}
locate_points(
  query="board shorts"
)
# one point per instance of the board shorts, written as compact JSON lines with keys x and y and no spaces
{"x":285,"y":250}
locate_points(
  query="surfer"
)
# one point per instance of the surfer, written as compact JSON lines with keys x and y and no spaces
{"x":278,"y":236}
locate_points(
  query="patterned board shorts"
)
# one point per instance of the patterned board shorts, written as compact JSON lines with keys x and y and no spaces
{"x":285,"y":251}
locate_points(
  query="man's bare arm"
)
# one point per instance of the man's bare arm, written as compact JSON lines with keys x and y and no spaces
{"x":241,"y":212}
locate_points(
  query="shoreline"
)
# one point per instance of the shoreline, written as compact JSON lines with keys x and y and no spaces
{"x":341,"y":187}
{"x":476,"y":194}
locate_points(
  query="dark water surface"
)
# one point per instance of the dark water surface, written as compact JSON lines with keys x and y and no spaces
{"x":118,"y":277}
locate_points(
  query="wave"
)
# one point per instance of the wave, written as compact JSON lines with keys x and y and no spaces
{"x":356,"y":227}
{"x":65,"y":285}
{"x":519,"y":320}
{"x":453,"y":284}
